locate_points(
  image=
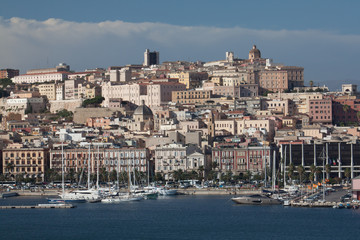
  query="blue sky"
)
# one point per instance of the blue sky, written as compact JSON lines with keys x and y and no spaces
{"x":321,"y":36}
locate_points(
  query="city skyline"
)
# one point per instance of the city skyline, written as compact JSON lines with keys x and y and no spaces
{"x":40,"y":35}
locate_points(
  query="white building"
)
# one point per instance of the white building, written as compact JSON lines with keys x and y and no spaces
{"x":40,"y":77}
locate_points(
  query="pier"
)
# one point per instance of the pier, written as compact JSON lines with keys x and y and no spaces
{"x":40,"y":206}
{"x":324,"y":204}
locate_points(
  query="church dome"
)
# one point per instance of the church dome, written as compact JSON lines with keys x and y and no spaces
{"x":254,"y":53}
{"x":143,"y":110}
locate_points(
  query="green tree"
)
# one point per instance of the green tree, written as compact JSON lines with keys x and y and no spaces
{"x":227,"y":176}
{"x":158,"y":177}
{"x":4,"y":82}
{"x":201,"y":173}
{"x":113,"y":175}
{"x":9,"y":169}
{"x":291,"y":170}
{"x":247,"y":176}
{"x":312,"y":173}
{"x":300,"y":169}
{"x":311,"y":83}
{"x":346,"y":109}
{"x":178,"y":175}
{"x":71,"y":175}
{"x":103,"y":175}
{"x":96,"y":101}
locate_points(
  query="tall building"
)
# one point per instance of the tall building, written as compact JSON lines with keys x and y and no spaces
{"x":151,"y":58}
{"x":8,"y":73}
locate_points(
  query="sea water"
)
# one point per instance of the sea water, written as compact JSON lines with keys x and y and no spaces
{"x":177,"y":217}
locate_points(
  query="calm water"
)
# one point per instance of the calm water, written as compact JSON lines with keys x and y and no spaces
{"x":180,"y":217}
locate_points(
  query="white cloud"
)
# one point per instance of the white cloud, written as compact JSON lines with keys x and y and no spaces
{"x":27,"y":44}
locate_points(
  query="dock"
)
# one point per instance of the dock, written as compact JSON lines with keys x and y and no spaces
{"x":40,"y":206}
{"x":323,"y":204}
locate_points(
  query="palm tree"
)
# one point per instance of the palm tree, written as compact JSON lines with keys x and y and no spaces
{"x":312,"y":173}
{"x":318,"y":171}
{"x":347,"y":173}
{"x":346,"y":109}
{"x":201,"y":172}
{"x":311,"y":83}
{"x":300,"y":169}
{"x":178,"y":175}
{"x":291,"y":169}
{"x":9,"y":168}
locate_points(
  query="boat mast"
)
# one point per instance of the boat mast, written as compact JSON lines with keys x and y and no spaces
{"x":118,"y":172}
{"x":148,"y":172}
{"x":62,"y":169}
{"x":323,"y":157}
{"x":285,"y":167}
{"x":264,"y":158}
{"x":89,"y":159}
{"x":273,"y":171}
{"x":97,"y":169}
{"x":129,"y":176}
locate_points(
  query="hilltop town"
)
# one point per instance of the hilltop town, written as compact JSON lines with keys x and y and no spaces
{"x":226,"y":120}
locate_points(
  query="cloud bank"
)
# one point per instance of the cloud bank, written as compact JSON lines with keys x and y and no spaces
{"x":328,"y":57}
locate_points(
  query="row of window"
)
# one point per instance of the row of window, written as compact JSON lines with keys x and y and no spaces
{"x":23,"y":154}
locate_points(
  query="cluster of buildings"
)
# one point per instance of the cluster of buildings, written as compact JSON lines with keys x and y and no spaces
{"x":238,"y":116}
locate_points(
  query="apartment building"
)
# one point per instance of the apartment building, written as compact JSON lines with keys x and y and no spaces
{"x":173,"y":157}
{"x":118,"y":159}
{"x":191,"y":96}
{"x":27,"y":162}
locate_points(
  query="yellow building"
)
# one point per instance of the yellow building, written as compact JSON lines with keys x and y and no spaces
{"x":27,"y":162}
{"x":48,"y":90}
{"x":190,"y":79}
{"x":191,"y":96}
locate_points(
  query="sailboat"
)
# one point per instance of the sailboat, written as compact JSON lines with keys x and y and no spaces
{"x":128,"y":197}
{"x":66,"y":197}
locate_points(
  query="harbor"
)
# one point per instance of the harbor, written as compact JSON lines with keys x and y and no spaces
{"x":173,"y":217}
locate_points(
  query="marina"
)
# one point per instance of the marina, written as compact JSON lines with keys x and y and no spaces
{"x":176,"y":217}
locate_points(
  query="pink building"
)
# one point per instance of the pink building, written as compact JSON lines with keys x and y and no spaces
{"x":96,"y":122}
{"x":320,"y":110}
{"x":243,"y":159}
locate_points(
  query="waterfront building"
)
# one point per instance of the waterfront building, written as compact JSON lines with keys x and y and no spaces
{"x":173,"y":157}
{"x":241,"y":159}
{"x":118,"y":159}
{"x":339,"y":155}
{"x":27,"y":162}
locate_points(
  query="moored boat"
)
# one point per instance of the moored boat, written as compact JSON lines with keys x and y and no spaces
{"x":256,"y":199}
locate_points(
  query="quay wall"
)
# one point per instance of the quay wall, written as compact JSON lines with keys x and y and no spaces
{"x":218,"y":191}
